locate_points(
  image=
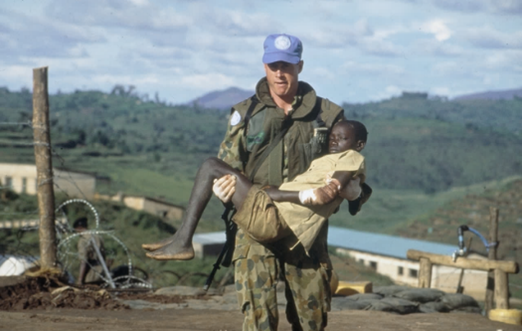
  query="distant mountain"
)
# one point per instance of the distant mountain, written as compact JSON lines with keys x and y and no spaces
{"x":492,"y":95}
{"x":222,"y":99}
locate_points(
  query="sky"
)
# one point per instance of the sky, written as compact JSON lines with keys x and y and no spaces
{"x":355,"y":51}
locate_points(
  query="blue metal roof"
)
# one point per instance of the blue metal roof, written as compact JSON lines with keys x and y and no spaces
{"x":383,"y":244}
{"x":368,"y":242}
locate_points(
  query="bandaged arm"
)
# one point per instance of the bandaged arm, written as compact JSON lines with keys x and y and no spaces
{"x":317,"y":196}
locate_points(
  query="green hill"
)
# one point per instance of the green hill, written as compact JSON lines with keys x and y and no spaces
{"x":149,"y":147}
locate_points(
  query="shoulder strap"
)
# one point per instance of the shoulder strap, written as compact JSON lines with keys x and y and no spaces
{"x":253,"y":103}
{"x":287,"y":123}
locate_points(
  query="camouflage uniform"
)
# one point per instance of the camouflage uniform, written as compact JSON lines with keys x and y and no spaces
{"x":257,"y":266}
{"x":87,"y":253}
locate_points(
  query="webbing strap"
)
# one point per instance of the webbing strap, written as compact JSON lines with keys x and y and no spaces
{"x":253,"y":103}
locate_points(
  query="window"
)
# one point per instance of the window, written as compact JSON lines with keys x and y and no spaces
{"x":8,"y":182}
{"x":413,"y":273}
{"x":400,"y":271}
{"x":373,"y":265}
{"x":24,"y":185}
{"x":361,"y":261}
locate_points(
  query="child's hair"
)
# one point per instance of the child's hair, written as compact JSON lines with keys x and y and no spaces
{"x":360,"y":130}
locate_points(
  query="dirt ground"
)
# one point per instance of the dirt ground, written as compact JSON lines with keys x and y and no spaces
{"x":30,"y":304}
{"x":190,"y":319}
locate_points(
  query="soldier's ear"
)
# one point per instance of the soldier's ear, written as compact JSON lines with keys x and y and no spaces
{"x":300,"y":66}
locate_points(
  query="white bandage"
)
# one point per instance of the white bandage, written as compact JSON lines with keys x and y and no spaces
{"x":307,"y":197}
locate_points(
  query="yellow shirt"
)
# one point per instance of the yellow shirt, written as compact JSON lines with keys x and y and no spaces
{"x":306,"y":221}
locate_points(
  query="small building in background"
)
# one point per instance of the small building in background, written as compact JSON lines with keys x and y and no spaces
{"x":208,"y":244}
{"x":21,"y":178}
{"x":387,"y":256}
{"x":161,"y":208}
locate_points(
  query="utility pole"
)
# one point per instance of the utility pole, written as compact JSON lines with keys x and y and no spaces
{"x":44,"y":168}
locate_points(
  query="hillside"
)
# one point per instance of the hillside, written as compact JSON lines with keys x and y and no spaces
{"x":149,"y":147}
{"x":222,"y":100}
{"x":492,"y":95}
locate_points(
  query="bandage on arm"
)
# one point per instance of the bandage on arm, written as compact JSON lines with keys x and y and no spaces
{"x":321,"y":195}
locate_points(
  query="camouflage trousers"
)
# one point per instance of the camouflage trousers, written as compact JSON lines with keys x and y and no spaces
{"x":307,"y":291}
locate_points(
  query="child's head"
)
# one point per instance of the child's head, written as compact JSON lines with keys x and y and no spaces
{"x":347,"y":135}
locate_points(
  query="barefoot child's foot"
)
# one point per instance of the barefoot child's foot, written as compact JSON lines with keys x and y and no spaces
{"x":157,"y":245}
{"x":173,"y":251}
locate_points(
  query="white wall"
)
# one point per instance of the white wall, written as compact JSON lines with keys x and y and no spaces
{"x":443,"y":278}
{"x":74,"y":184}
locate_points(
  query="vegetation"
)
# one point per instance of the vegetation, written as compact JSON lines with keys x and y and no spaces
{"x":149,"y":147}
{"x":427,"y":157}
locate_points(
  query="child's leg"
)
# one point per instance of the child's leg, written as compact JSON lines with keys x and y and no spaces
{"x":179,"y":246}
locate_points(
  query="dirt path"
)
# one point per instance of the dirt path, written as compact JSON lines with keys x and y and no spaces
{"x":190,"y":319}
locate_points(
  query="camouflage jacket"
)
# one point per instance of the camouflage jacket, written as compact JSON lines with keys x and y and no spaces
{"x":306,"y":139}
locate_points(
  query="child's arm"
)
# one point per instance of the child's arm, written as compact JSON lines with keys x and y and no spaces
{"x":317,"y":196}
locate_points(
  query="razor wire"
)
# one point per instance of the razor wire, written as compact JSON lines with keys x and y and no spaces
{"x":65,"y":244}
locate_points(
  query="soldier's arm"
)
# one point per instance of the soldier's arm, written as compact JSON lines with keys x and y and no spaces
{"x":232,"y":149}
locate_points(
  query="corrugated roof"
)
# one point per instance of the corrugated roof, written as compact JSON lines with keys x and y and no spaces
{"x":368,"y":242}
{"x":383,"y":244}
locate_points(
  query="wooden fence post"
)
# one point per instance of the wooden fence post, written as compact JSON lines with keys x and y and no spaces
{"x":501,"y":289}
{"x":425,"y":273}
{"x":44,"y":168}
{"x":492,"y":255}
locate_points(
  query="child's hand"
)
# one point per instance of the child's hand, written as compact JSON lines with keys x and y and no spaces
{"x":224,"y":188}
{"x":351,"y":191}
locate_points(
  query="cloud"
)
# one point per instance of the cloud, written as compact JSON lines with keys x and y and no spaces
{"x":507,"y":7}
{"x":502,"y":7}
{"x":238,"y":23}
{"x":436,"y":48}
{"x":465,"y":6}
{"x":374,"y":69}
{"x":29,"y":37}
{"x":141,"y":15}
{"x":438,"y":28}
{"x":487,"y":37}
{"x":360,"y":35}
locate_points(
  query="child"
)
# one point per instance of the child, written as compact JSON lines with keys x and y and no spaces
{"x":298,"y":207}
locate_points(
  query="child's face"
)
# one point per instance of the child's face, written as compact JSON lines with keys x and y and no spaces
{"x":342,"y":138}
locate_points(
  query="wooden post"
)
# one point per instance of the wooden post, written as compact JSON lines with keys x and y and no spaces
{"x":425,"y":273}
{"x":44,"y":168}
{"x":501,"y":289}
{"x":492,"y":255}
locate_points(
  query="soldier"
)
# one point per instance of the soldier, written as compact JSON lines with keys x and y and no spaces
{"x":271,"y":138}
{"x":281,"y":103}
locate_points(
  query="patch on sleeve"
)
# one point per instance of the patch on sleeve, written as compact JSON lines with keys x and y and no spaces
{"x":235,"y":118}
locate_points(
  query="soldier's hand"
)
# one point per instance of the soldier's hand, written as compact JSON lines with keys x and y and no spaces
{"x":224,"y":188}
{"x":351,"y":191}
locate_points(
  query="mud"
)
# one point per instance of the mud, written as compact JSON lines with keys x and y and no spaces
{"x":44,"y":304}
{"x":45,"y":293}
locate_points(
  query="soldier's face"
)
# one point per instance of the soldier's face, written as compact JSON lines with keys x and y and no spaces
{"x":282,"y":78}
